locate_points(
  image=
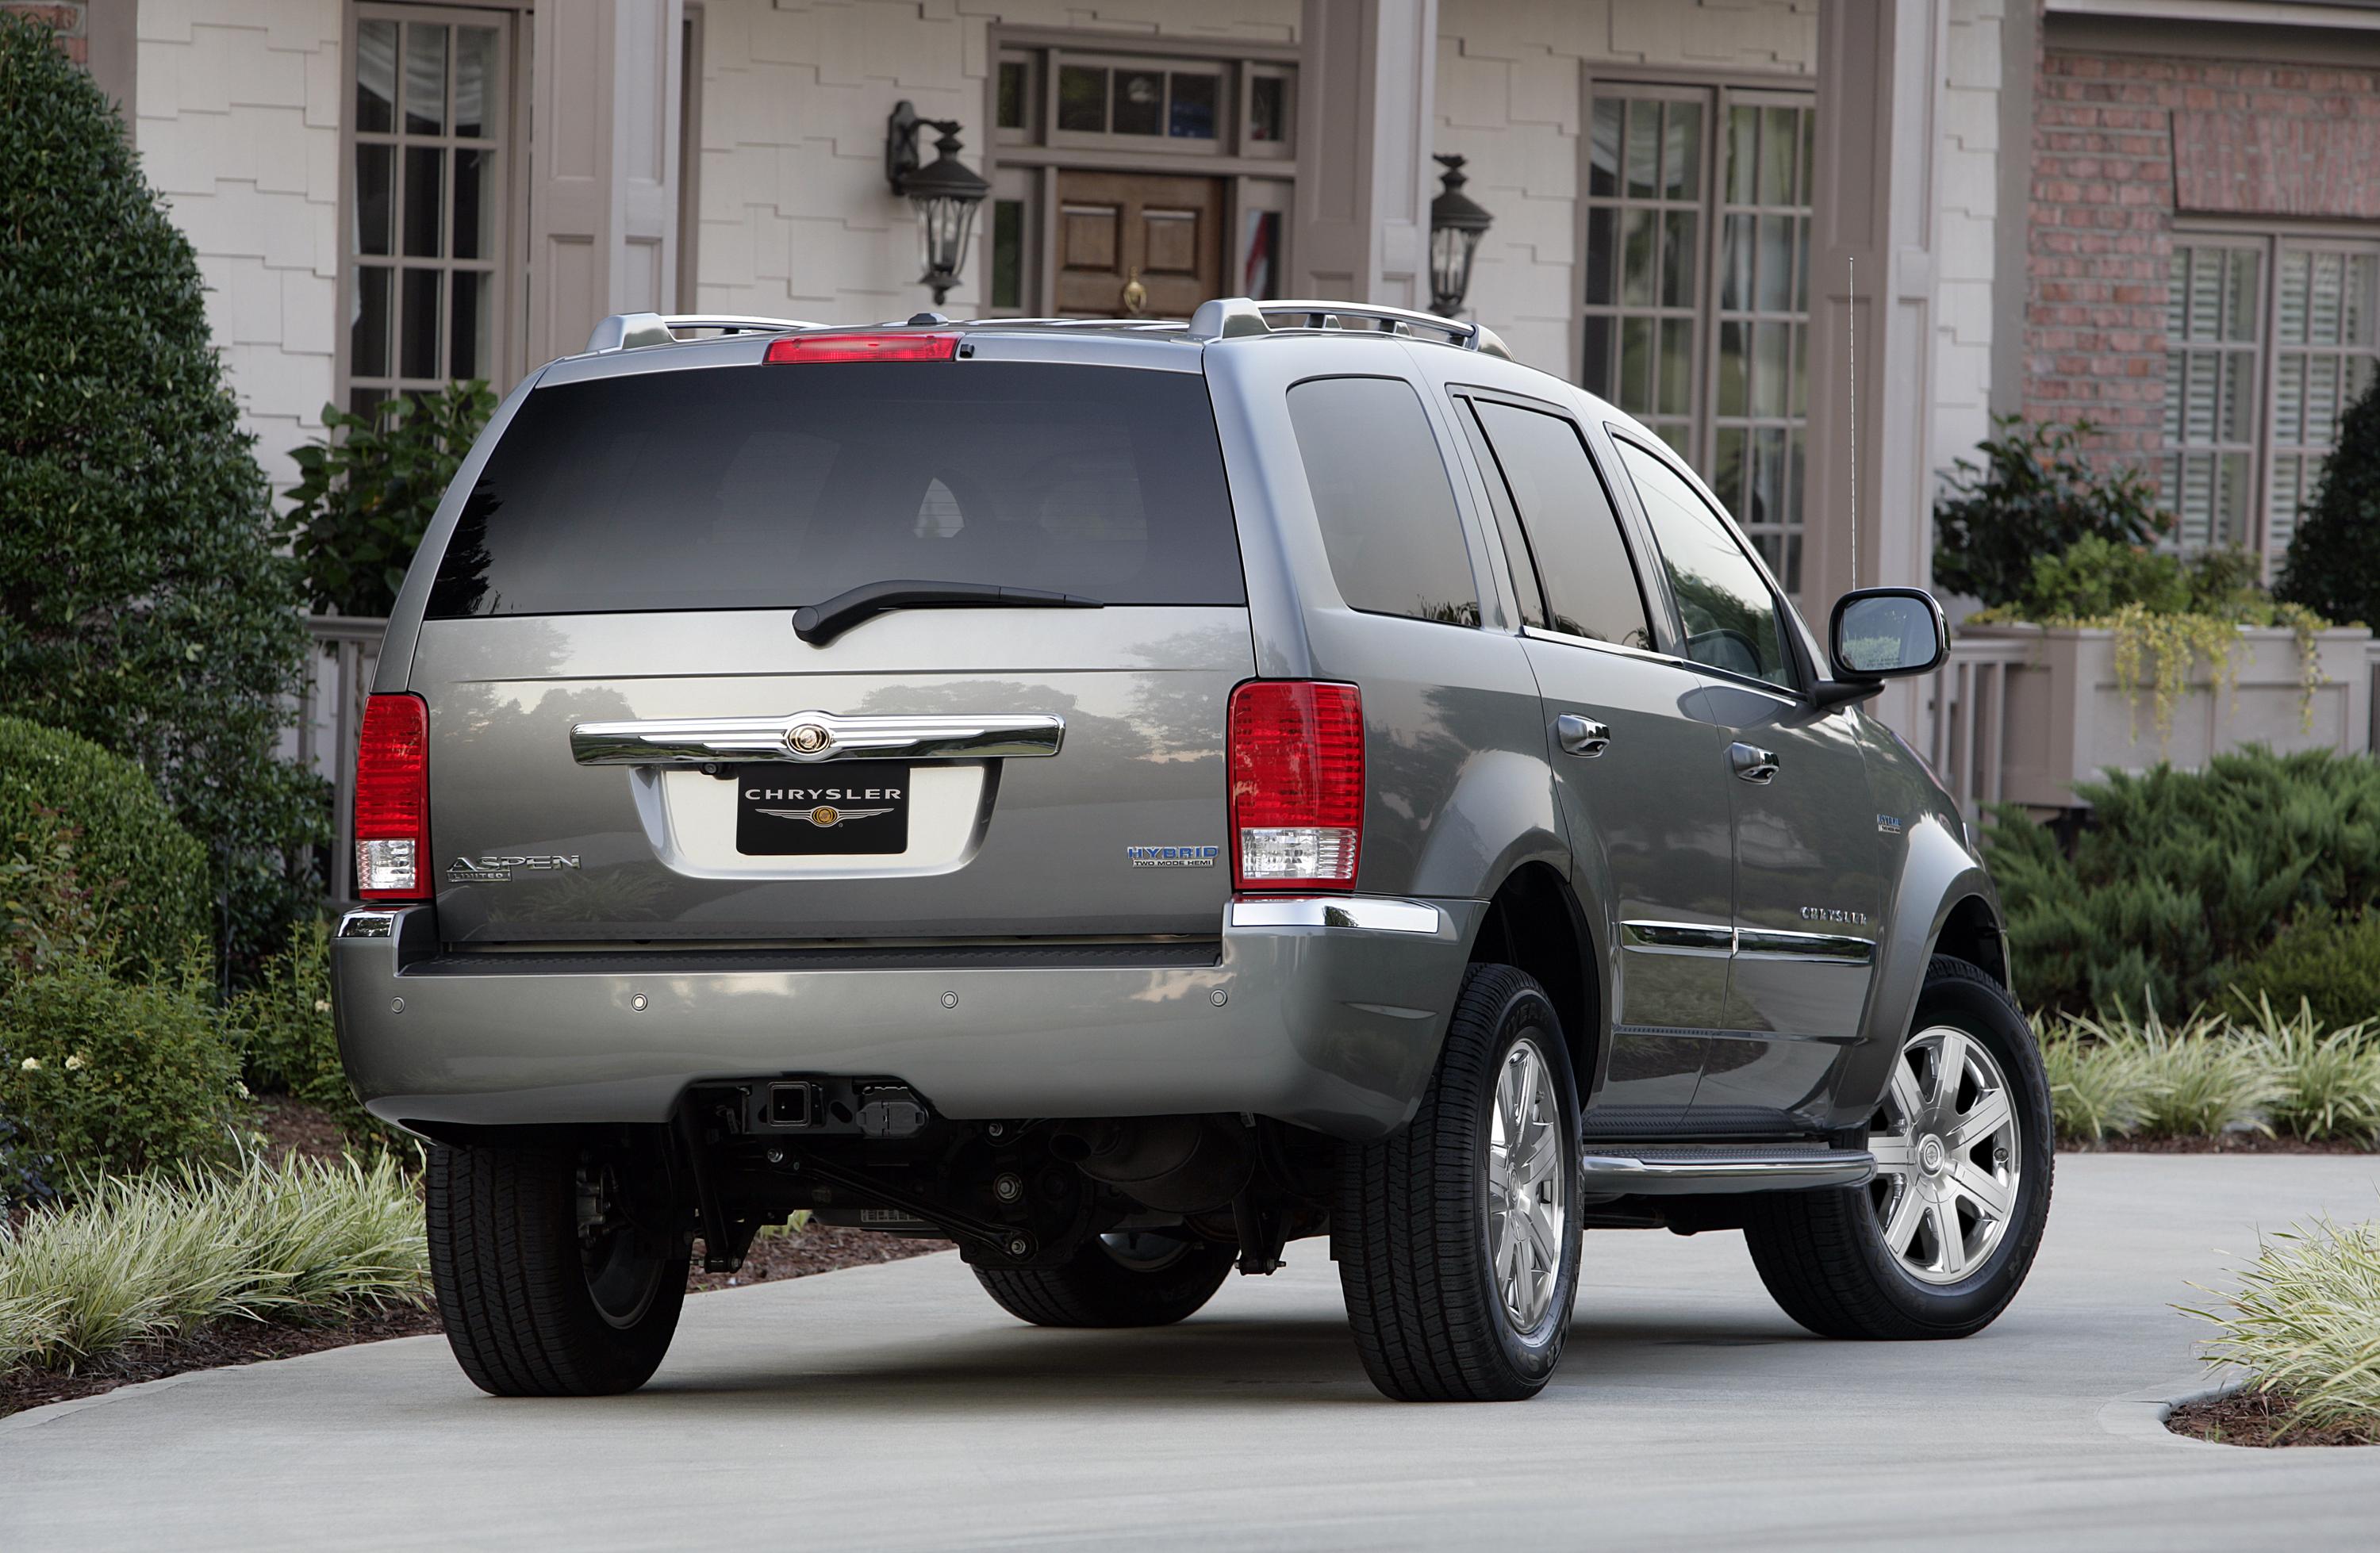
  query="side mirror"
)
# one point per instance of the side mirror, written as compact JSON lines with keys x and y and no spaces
{"x":1882,"y":633}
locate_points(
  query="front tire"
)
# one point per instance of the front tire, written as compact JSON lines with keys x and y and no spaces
{"x":1457,"y":1238}
{"x":1126,"y":1279}
{"x":558,"y":1273}
{"x":1941,"y":1241}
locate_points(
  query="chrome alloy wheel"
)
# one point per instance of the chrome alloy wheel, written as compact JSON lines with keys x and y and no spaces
{"x":1949,"y":1157}
{"x":1525,"y":1186}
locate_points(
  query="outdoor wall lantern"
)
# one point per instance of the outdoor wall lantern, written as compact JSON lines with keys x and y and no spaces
{"x":1457,"y":222}
{"x":945,"y":192}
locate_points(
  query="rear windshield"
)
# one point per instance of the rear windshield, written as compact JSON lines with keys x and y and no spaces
{"x":768,"y":487}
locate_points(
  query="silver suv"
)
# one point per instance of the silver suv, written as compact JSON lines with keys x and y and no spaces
{"x":1124,"y":796}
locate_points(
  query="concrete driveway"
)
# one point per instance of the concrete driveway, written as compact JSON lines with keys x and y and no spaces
{"x":895,"y":1407}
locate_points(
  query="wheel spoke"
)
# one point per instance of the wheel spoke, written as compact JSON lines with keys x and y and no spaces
{"x":1987,"y":1191}
{"x":1991,"y":1113}
{"x":1904,"y":1093}
{"x":1950,"y":1244}
{"x":1901,"y":1229}
{"x":1895,"y":1155}
{"x":1949,"y":1072}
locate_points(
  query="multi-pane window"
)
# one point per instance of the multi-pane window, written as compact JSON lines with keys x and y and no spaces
{"x":2267,"y":341}
{"x":1696,"y":312}
{"x":426,"y":235}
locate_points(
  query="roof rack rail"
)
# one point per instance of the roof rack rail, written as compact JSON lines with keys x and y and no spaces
{"x":1224,"y":317}
{"x":627,"y":330}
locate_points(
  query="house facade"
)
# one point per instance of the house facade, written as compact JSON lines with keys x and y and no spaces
{"x":2162,"y":216}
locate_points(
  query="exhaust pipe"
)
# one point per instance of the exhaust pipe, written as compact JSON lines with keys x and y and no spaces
{"x":1175,"y":1164}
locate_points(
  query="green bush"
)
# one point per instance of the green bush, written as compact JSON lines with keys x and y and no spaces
{"x":143,"y":603}
{"x":369,"y":489}
{"x":2180,"y":878}
{"x":2034,"y":495}
{"x":133,"y":1259}
{"x":108,"y":1075}
{"x":287,"y":1043}
{"x":2095,"y":577}
{"x":89,"y":848}
{"x":2333,"y":565}
{"x":2331,"y":965}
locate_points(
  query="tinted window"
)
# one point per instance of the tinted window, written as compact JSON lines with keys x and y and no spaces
{"x":1387,"y":509}
{"x":1729,"y":615}
{"x":772,"y":487}
{"x":1508,"y":523}
{"x":1590,"y":587}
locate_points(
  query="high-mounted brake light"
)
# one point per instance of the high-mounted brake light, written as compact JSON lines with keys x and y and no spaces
{"x":1295,"y":753}
{"x":392,"y":800}
{"x":901,"y":347}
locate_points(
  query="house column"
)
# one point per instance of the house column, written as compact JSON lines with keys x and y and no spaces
{"x":604,"y":177}
{"x":1366,"y":75}
{"x":1881,"y":68}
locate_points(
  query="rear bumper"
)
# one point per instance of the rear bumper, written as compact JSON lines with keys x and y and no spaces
{"x":1327,"y":1015}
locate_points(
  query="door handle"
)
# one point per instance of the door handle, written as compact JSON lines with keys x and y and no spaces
{"x":1753,"y":764}
{"x":1582,"y":735}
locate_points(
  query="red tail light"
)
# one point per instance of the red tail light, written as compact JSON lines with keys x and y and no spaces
{"x":1295,"y":751}
{"x":392,"y":800}
{"x":902,"y":346}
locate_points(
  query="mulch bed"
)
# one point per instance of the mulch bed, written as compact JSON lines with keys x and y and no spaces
{"x":2229,"y":1143}
{"x":2254,"y":1418}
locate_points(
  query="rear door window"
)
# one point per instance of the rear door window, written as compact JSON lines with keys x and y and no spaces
{"x":1382,"y":494}
{"x":771,"y":487}
{"x":1569,"y":528}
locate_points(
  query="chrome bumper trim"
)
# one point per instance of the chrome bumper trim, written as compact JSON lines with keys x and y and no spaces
{"x":703,"y":741}
{"x":368,"y":925}
{"x":1374,"y":913}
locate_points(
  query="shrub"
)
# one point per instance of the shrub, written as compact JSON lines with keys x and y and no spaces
{"x":2179,"y":872}
{"x":369,"y":489}
{"x":2333,"y":566}
{"x":2034,"y":495}
{"x":113,"y":1076}
{"x":2305,"y":1325}
{"x":142,"y":604}
{"x":286,"y":1039}
{"x":2333,"y":967}
{"x":132,"y":1259}
{"x":91,"y":852}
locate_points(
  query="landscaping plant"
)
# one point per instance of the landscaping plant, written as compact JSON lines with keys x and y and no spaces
{"x":2183,"y":878}
{"x":2329,"y":964}
{"x":287,"y":1043}
{"x":2333,"y":566}
{"x":91,"y":862}
{"x":2305,"y":1325}
{"x":132,"y":1259}
{"x":2035,"y":494}
{"x":111,"y":1076}
{"x":367,"y":490}
{"x":2328,"y":1077}
{"x":143,"y":603}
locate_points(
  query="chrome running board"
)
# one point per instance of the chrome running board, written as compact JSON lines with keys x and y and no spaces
{"x":1675,"y":1170}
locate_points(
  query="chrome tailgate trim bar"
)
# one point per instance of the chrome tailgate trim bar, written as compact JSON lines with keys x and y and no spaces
{"x":812,"y":737}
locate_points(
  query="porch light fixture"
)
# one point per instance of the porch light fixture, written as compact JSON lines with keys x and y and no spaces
{"x":944,"y":192}
{"x":1457,"y":222}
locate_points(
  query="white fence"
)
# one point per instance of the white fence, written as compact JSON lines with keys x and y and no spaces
{"x":338,"y":677}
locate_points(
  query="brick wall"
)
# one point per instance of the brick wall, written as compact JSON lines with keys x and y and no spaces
{"x":2104,"y":209}
{"x":74,"y":38}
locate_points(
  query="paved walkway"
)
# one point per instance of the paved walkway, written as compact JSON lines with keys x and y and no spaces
{"x":895,"y":1406}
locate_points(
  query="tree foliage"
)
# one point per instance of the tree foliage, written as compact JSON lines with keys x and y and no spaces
{"x":141,"y":603}
{"x":2034,"y":495}
{"x":2334,"y":562}
{"x":361,"y":501}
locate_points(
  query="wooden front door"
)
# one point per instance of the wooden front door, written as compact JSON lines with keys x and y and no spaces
{"x":1117,"y":231}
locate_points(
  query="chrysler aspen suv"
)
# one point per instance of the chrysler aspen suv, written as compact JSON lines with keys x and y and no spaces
{"x":1127,"y":797}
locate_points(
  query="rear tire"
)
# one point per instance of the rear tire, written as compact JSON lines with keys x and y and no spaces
{"x":532,"y":1306}
{"x":1457,"y":1238}
{"x":1121,"y":1280}
{"x":1875,"y":1261}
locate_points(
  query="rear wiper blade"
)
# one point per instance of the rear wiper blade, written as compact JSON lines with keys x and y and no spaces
{"x":821,"y":623}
